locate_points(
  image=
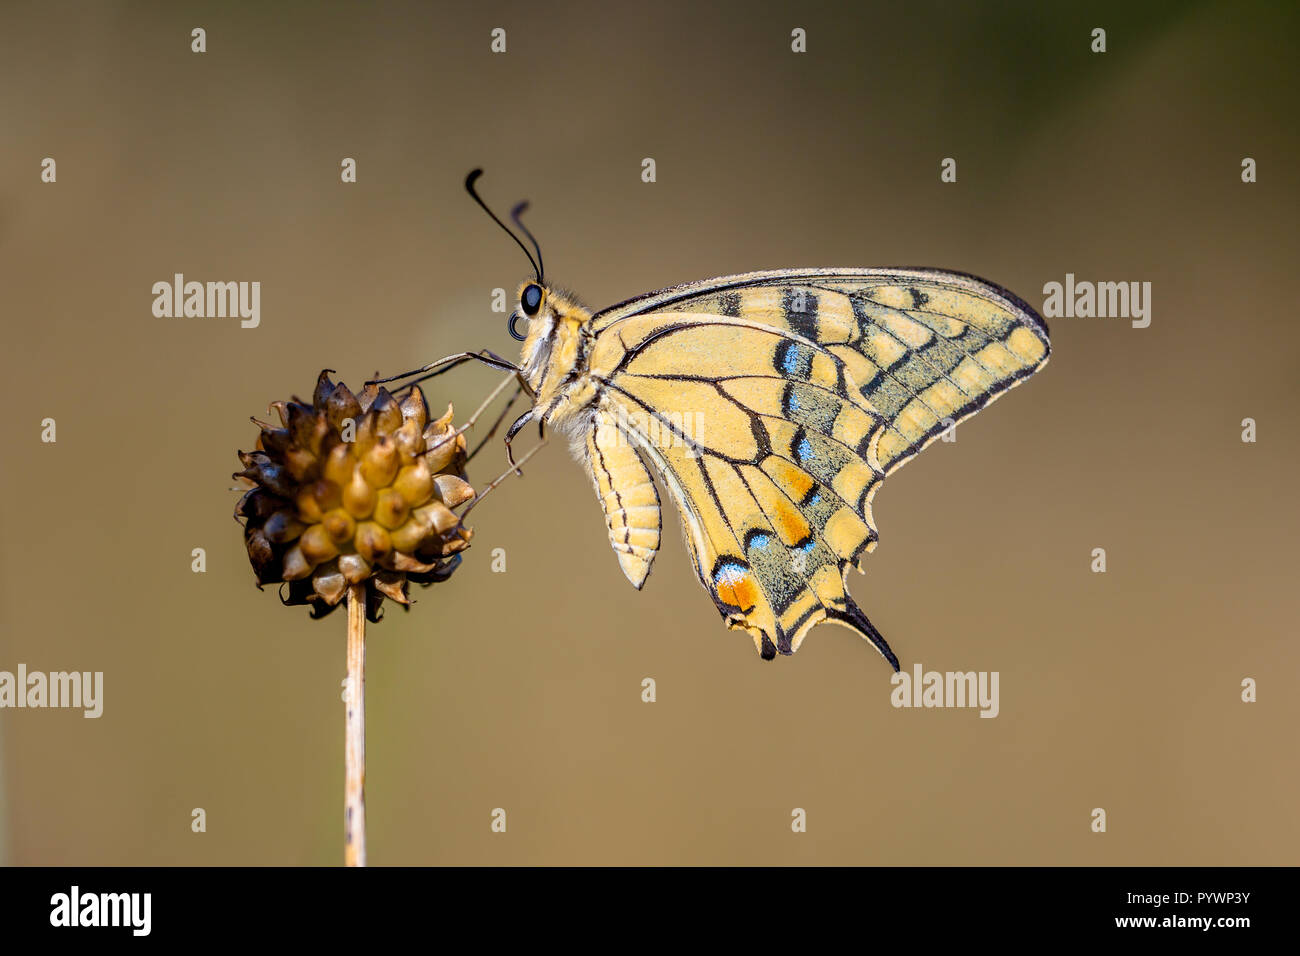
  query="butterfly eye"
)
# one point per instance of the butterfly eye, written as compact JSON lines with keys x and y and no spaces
{"x":531,"y":300}
{"x":514,"y":331}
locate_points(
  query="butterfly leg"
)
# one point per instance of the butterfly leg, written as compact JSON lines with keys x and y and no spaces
{"x":514,"y":430}
{"x":447,"y":363}
{"x":499,"y":419}
{"x":514,"y":469}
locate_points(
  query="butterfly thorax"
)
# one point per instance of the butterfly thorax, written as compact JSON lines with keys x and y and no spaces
{"x":554,"y":358}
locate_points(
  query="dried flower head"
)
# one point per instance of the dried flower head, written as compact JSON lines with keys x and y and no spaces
{"x":352,"y":489}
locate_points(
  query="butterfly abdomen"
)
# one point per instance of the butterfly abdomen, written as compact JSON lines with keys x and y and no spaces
{"x":628,"y":497}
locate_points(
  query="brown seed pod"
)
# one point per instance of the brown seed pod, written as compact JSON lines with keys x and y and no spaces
{"x":351,"y":489}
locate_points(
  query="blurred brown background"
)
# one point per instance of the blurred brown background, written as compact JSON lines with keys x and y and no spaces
{"x":522,"y":690}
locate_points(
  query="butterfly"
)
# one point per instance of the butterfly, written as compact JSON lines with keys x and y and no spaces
{"x":771,"y":405}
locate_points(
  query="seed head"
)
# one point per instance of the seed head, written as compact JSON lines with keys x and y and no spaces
{"x":353,"y":489}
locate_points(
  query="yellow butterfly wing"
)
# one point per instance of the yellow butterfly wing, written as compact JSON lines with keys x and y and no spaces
{"x":773,"y":404}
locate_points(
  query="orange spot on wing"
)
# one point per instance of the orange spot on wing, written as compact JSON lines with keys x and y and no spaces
{"x":738,"y":588}
{"x":790,"y":524}
{"x":796,"y":482}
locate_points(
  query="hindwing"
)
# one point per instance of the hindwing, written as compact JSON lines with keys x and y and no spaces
{"x":773,"y":405}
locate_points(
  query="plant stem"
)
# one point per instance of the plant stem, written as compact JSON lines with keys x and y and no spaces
{"x":354,"y":744}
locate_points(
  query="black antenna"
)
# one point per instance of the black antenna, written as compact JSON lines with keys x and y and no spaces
{"x":514,"y":217}
{"x":469,"y":187}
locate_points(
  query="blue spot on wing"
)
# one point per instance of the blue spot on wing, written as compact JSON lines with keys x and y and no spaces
{"x":804,"y":450}
{"x":790,"y":361}
{"x":794,"y":359}
{"x":729,"y":573}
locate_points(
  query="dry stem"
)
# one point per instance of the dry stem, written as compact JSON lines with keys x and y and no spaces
{"x":354,"y":744}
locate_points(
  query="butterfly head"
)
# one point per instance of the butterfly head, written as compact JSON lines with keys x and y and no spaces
{"x":542,"y":309}
{"x":532,"y":300}
{"x":547,"y":320}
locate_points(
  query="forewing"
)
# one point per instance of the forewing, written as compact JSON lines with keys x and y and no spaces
{"x":775,"y":403}
{"x":926,"y":348}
